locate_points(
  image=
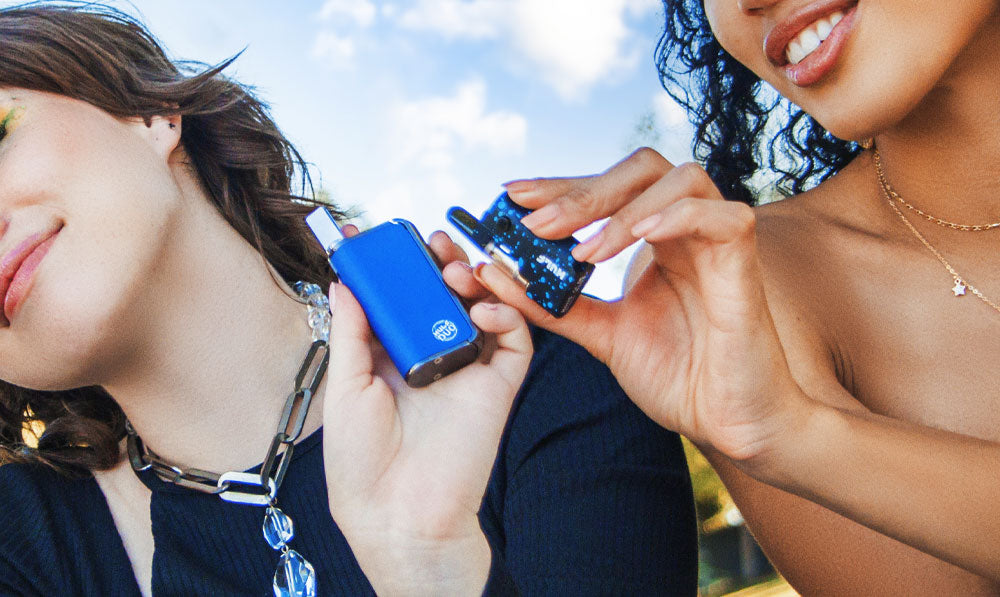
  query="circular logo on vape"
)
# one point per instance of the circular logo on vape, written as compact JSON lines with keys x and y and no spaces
{"x":444,"y":330}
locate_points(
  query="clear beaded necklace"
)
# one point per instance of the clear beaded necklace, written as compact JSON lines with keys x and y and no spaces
{"x":294,"y":576}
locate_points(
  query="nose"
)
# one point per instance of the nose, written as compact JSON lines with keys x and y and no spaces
{"x":752,"y":7}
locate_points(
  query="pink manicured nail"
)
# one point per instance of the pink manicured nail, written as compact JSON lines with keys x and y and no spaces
{"x":586,"y":249}
{"x":333,"y":296}
{"x":515,"y":187}
{"x":541,"y":217}
{"x":645,"y":226}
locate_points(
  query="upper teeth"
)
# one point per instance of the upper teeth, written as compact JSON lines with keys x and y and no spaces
{"x":809,"y":38}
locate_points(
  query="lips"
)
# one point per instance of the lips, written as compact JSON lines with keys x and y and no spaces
{"x":819,"y":61}
{"x":17,"y":268}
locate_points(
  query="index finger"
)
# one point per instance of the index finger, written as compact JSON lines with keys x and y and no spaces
{"x":565,"y":205}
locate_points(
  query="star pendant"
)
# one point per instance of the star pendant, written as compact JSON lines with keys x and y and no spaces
{"x":959,"y":288}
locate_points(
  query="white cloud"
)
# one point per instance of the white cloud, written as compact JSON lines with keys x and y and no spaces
{"x":430,"y":131}
{"x":572,"y":45}
{"x":427,"y":141}
{"x":337,"y":51}
{"x":423,"y":196}
{"x":576,"y":44}
{"x":669,"y":114}
{"x":640,"y":8}
{"x":361,"y":12}
{"x":675,"y":131}
{"x":478,"y":19}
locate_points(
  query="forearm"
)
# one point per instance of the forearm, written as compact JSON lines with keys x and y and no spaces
{"x":930,"y":489}
{"x":821,"y":552}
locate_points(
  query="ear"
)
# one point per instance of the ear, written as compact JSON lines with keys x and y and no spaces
{"x":163,"y":133}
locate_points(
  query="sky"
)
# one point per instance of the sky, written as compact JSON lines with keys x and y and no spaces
{"x":407,"y":108}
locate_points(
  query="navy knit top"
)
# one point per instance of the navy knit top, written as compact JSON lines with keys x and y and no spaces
{"x":587,"y":497}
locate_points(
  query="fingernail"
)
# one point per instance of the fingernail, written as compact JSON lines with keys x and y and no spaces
{"x":520,"y":186}
{"x":645,"y":226}
{"x":584,"y":250}
{"x":332,"y":297}
{"x":489,"y":306}
{"x":541,"y":217}
{"x":467,"y":267}
{"x":477,"y":271}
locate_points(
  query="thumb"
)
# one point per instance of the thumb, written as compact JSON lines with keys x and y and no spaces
{"x":513,"y":351}
{"x":590,"y":322}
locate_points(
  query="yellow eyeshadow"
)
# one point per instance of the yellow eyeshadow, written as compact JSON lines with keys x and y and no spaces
{"x":9,"y":119}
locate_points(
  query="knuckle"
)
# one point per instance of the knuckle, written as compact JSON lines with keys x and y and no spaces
{"x":691,"y":176}
{"x":581,"y":199}
{"x":745,"y":216}
{"x":686,"y":209}
{"x":647,"y":158}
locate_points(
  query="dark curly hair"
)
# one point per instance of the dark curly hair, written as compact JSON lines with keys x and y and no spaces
{"x":742,"y":126}
{"x":249,"y":170}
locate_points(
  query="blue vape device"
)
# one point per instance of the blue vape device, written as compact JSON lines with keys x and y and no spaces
{"x":545,"y":269}
{"x":420,"y":323}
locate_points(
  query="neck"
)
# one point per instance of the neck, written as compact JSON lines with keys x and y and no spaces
{"x":217,"y":351}
{"x":944,"y":156}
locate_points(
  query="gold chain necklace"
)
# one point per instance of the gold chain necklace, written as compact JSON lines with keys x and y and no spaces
{"x":894,"y":196}
{"x":961,"y":285}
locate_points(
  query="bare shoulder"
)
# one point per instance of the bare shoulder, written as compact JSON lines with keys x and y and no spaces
{"x":813,"y":250}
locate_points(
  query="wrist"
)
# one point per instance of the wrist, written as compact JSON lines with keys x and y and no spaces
{"x":793,"y":449}
{"x":405,"y":565}
{"x":790,"y":428}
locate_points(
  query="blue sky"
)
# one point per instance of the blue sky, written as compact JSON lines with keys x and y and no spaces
{"x":407,"y":108}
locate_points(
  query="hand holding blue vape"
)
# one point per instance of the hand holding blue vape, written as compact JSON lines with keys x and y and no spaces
{"x":391,"y":448}
{"x":545,"y":268}
{"x":420,"y":322}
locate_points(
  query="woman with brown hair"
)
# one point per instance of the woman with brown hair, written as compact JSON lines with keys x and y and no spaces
{"x":151,"y":249}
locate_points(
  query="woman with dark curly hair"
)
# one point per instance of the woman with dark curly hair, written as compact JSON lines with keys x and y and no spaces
{"x":834,"y":353}
{"x":161,"y":299}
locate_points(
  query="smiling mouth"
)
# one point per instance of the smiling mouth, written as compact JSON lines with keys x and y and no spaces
{"x":809,"y":39}
{"x":806,"y":45}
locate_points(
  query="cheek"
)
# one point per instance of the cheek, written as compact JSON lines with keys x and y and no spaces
{"x":738,"y":34}
{"x":78,"y":319}
{"x":83,"y":314}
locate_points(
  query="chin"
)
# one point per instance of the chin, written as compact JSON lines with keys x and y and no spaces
{"x":857,"y":120}
{"x":849,"y":131}
{"x":68,"y":345}
{"x":53,"y":364}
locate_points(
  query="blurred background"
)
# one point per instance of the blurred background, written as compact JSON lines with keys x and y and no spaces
{"x":404,"y":109}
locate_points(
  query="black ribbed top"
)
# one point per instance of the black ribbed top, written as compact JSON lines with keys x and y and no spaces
{"x":587,"y":497}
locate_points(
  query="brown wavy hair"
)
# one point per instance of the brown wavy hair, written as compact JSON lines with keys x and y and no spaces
{"x":249,"y":170}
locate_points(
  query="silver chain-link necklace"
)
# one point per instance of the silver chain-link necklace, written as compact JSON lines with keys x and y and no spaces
{"x":294,"y":577}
